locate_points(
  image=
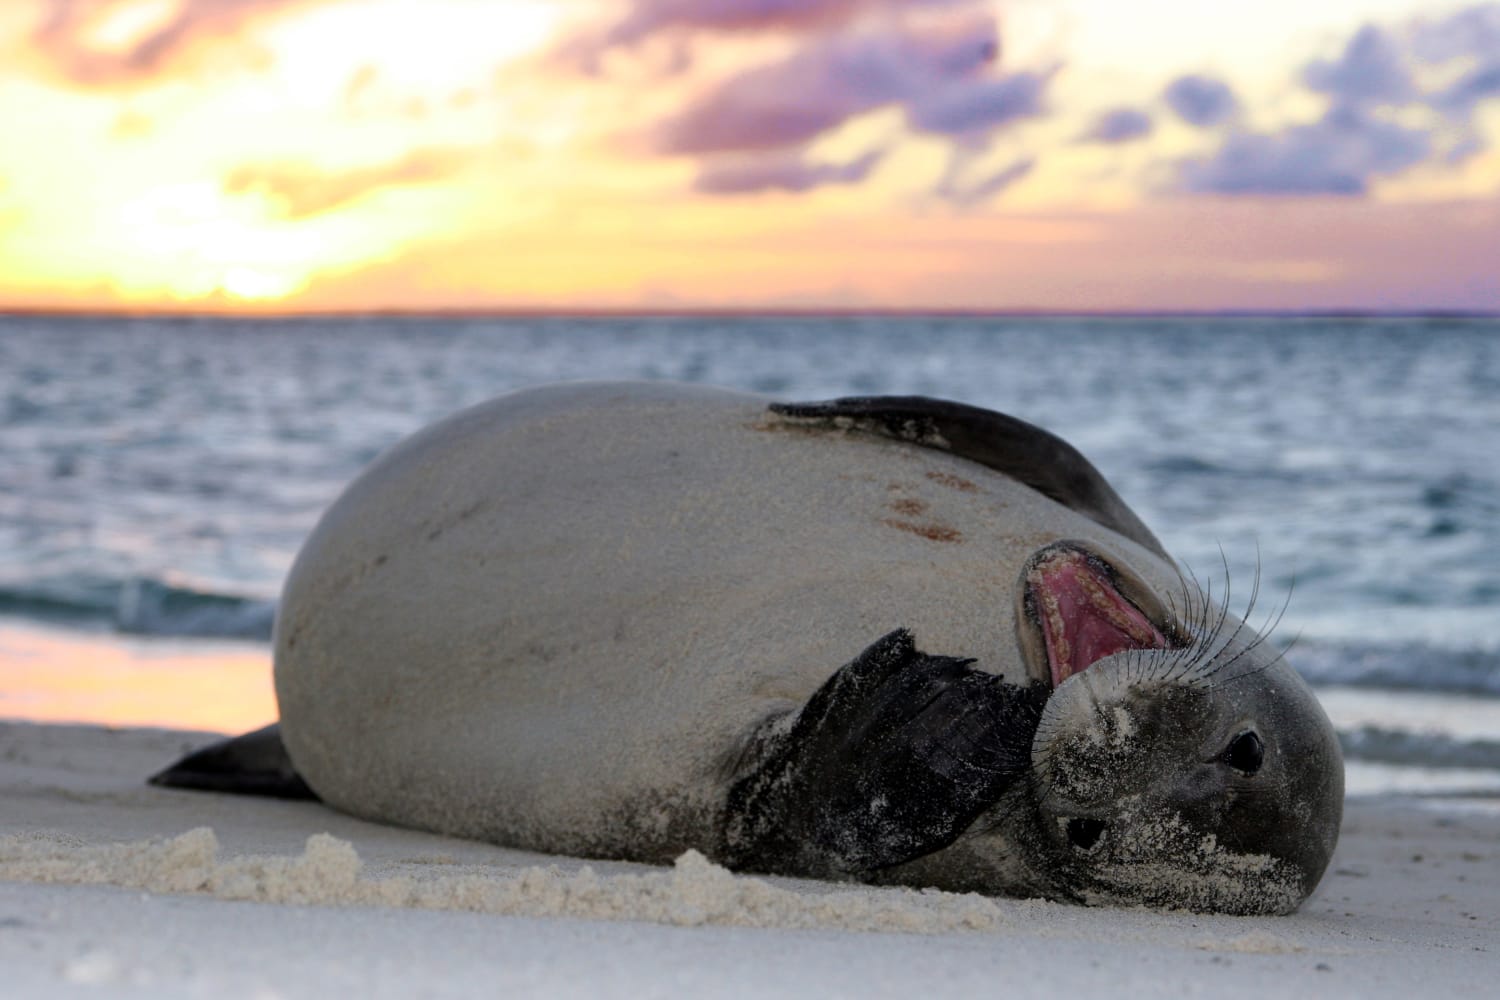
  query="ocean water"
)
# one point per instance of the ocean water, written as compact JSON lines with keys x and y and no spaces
{"x":158,"y":475}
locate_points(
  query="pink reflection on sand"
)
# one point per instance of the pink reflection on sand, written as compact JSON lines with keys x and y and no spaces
{"x":50,"y":675}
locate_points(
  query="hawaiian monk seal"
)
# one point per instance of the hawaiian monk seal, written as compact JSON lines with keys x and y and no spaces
{"x":606,"y":619}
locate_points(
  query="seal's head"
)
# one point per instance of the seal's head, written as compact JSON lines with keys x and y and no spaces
{"x":1179,"y":761}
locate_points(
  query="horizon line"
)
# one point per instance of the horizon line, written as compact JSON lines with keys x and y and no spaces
{"x":732,"y":312}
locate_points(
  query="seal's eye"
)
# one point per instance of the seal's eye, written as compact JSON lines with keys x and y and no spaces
{"x":1084,"y":833}
{"x":1245,"y":753}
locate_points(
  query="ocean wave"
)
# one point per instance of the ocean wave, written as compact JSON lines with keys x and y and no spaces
{"x":142,"y":606}
{"x":1382,"y":745}
{"x":1402,"y":666}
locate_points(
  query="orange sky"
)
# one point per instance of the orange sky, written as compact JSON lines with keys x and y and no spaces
{"x":963,"y":154}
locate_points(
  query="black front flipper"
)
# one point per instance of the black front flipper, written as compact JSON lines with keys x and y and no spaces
{"x":254,"y":764}
{"x":1022,"y":451}
{"x":891,"y":759}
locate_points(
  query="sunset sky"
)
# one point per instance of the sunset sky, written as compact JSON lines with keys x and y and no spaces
{"x":957,"y":154}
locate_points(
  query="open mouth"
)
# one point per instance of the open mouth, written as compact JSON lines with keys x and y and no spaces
{"x":1073,"y":599}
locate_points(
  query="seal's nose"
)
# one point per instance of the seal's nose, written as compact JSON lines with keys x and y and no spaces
{"x":1085,"y":833}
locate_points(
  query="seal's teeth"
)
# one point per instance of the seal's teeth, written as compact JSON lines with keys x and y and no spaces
{"x":1059,"y":650}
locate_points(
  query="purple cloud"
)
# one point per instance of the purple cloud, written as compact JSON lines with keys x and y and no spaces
{"x":1371,"y":91}
{"x":1201,"y":100}
{"x":1371,"y":69}
{"x":1338,"y":155}
{"x":931,"y":60}
{"x":1469,"y":38}
{"x":780,"y":171}
{"x":1479,"y":84}
{"x":647,"y":17}
{"x":678,"y":19}
{"x":974,"y":107}
{"x":967,"y":195}
{"x":63,"y":37}
{"x":833,"y":79}
{"x":1473,"y":31}
{"x":1119,"y":126}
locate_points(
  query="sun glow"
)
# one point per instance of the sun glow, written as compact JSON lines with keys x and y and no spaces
{"x":210,"y":244}
{"x":348,"y":144}
{"x":352,"y":154}
{"x":251,"y":284}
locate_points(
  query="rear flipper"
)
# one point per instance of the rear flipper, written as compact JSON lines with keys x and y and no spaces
{"x":891,"y":759}
{"x":254,"y":764}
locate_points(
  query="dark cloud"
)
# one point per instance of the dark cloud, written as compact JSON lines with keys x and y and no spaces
{"x":300,"y":191}
{"x":1338,"y":155}
{"x":781,"y":171}
{"x":62,"y":37}
{"x":1119,"y":126}
{"x":1201,"y":100}
{"x":976,"y":107}
{"x":1371,"y":69}
{"x":835,"y":78}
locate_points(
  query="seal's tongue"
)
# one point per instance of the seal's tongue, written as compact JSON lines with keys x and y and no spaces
{"x":1084,"y":618}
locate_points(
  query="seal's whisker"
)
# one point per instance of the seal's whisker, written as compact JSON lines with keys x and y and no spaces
{"x":1271,"y":625}
{"x":1224,"y":561}
{"x":1254,"y":586}
{"x":1250,"y":648}
{"x":1242,"y":675}
{"x":1209,"y":620}
{"x":1260,"y":640}
{"x":1218,"y":640}
{"x":1264,"y":634}
{"x":1219,"y":614}
{"x":1191,"y":608}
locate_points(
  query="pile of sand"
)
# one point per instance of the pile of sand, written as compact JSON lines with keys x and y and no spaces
{"x":329,"y":872}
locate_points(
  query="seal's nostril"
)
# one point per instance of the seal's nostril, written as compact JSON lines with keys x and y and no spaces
{"x":1084,"y":833}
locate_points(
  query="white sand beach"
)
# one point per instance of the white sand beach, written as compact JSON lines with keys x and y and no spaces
{"x":108,"y":883}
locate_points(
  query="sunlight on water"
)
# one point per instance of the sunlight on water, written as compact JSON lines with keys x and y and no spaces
{"x":55,"y":676}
